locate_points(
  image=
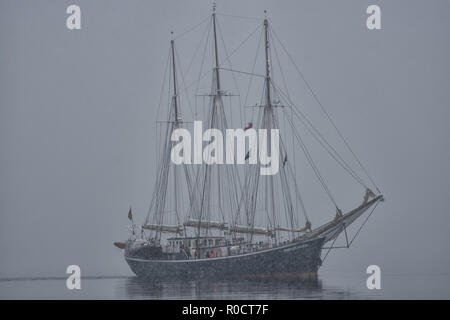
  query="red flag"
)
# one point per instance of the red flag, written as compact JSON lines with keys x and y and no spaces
{"x":130,"y":215}
{"x":250,"y":125}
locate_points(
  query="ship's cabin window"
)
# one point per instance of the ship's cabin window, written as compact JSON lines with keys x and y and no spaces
{"x":210,"y":242}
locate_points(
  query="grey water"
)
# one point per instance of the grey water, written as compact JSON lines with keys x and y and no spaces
{"x":327,"y":286}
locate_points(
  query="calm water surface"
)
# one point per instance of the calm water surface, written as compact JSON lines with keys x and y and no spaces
{"x":326,"y":287}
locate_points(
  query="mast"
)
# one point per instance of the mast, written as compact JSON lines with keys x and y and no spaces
{"x":216,"y":53}
{"x":269,"y":118}
{"x":172,"y":42}
{"x":271,"y":192}
{"x":216,"y":97}
{"x":175,"y":124}
{"x":155,"y":217}
{"x":266,"y":41}
{"x":219,"y":184}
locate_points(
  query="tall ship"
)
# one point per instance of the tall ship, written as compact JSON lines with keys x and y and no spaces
{"x":222,"y":221}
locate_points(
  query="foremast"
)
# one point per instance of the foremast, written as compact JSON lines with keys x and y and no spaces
{"x":158,"y":221}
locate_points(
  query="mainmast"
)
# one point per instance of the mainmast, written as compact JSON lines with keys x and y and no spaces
{"x":219,"y":185}
{"x":216,"y":104}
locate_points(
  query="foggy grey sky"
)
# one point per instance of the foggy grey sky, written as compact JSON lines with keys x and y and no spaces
{"x":77,"y":111}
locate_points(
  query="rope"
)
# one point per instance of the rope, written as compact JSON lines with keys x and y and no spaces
{"x":203,"y":61}
{"x":253,"y":69}
{"x":354,"y":237}
{"x":231,"y":68}
{"x":196,"y":50}
{"x":239,"y":17}
{"x":362,"y":225}
{"x":162,"y":86}
{"x":184,"y":84}
{"x":243,"y":72}
{"x":243,"y":42}
{"x":193,"y":28}
{"x":329,"y":249}
{"x":201,"y":76}
{"x":312,"y":163}
{"x":322,"y":140}
{"x":324,"y":111}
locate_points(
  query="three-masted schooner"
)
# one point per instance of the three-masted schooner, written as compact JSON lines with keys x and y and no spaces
{"x":218,"y":222}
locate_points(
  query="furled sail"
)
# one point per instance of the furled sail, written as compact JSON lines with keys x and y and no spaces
{"x":252,"y":230}
{"x":163,"y":228}
{"x":291,"y":230}
{"x":205,"y":224}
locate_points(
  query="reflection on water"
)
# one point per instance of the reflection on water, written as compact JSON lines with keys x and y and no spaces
{"x":327,"y":286}
{"x":136,"y":288}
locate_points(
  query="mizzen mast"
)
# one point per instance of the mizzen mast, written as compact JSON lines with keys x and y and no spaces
{"x":266,"y":41}
{"x":216,"y":53}
{"x":268,"y":119}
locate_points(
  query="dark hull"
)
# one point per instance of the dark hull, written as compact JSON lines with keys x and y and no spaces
{"x":294,"y":260}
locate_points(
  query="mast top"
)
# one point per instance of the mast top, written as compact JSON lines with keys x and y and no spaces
{"x":175,"y":104}
{"x":266,"y":38}
{"x":216,"y":53}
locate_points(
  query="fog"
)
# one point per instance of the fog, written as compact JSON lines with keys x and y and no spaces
{"x":78,"y":111}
